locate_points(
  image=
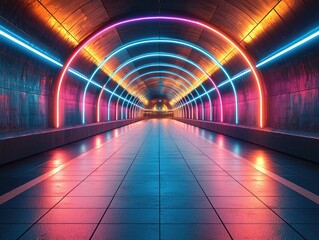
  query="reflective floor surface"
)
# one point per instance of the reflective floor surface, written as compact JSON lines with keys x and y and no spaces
{"x":159,"y":179}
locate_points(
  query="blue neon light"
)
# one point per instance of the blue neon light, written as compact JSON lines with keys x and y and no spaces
{"x":19,"y":41}
{"x":157,"y":54}
{"x":166,"y":72}
{"x":31,"y":48}
{"x":165,"y":40}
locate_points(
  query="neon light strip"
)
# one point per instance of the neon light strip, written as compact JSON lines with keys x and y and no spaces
{"x":165,"y":40}
{"x":29,"y":47}
{"x":159,"y":54}
{"x":287,"y":49}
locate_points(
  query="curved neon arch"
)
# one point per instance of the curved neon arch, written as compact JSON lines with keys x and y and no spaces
{"x":170,"y":73}
{"x":165,"y":40}
{"x":153,"y":78}
{"x":158,"y":77}
{"x":162,"y":65}
{"x":136,"y":69}
{"x":167,"y":72}
{"x":152,"y":18}
{"x":169,"y":55}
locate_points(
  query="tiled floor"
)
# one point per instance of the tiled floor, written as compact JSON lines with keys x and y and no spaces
{"x":159,"y":179}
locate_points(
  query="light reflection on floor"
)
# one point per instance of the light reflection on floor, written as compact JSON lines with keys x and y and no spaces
{"x":160,"y":179}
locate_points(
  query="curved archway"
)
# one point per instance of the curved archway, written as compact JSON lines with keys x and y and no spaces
{"x":212,"y":29}
{"x":168,"y":55}
{"x":165,"y":40}
{"x":152,"y":65}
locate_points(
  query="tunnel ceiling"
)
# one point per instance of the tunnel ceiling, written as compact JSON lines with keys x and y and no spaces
{"x":155,"y":57}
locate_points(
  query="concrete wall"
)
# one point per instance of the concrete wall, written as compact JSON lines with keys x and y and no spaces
{"x":14,"y":148}
{"x":301,"y":146}
{"x":24,"y":91}
{"x":293,"y":91}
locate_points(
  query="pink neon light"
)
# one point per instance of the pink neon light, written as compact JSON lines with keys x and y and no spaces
{"x":81,"y":46}
{"x":98,"y":104}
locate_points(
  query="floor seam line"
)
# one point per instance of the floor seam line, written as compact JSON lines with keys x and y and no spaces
{"x":201,"y":187}
{"x":119,"y":185}
{"x":33,"y":224}
{"x":247,"y":188}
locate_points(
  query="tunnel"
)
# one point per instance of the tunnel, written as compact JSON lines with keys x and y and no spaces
{"x":159,"y":119}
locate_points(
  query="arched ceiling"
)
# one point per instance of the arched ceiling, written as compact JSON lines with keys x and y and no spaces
{"x":151,"y":59}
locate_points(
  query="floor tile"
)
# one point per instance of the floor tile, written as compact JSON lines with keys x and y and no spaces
{"x":193,"y":231}
{"x":131,"y":216}
{"x":21,"y":215}
{"x":135,"y":202}
{"x":309,"y":231}
{"x":236,"y":202}
{"x":299,"y":215}
{"x":12,"y":231}
{"x":60,"y":231}
{"x":127,"y":232}
{"x":31,"y":202}
{"x":84,"y":202}
{"x":63,"y":215}
{"x":160,"y":180}
{"x":262,"y":231}
{"x":185,"y":202}
{"x":288,"y":202}
{"x":174,"y":216}
{"x":248,"y":216}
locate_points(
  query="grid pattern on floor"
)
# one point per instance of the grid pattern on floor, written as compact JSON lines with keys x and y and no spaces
{"x":159,"y":180}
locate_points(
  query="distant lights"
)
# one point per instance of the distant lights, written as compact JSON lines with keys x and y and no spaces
{"x":170,"y":73}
